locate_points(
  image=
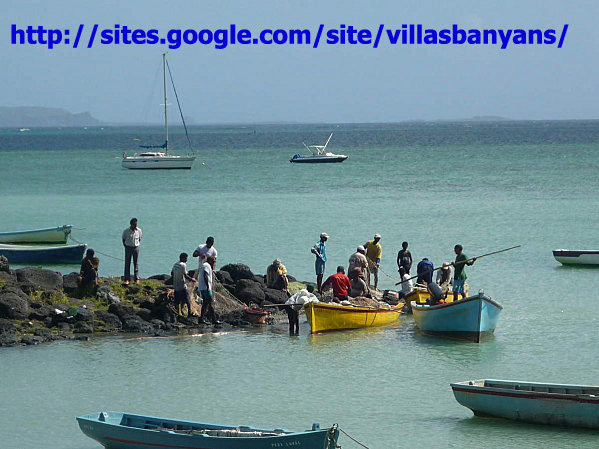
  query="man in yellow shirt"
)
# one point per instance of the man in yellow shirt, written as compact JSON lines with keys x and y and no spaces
{"x":374,"y":252}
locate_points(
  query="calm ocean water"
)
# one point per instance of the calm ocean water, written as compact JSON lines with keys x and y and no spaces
{"x":485,"y":185}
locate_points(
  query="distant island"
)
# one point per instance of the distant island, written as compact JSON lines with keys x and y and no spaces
{"x":35,"y":116}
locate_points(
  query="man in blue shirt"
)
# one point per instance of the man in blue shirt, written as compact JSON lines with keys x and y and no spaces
{"x":424,"y":270}
{"x":320,"y":251}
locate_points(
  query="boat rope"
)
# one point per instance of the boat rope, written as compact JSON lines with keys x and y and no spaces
{"x":178,"y":104}
{"x":352,"y":438}
{"x":99,"y":252}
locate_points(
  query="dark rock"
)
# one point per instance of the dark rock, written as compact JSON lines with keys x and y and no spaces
{"x":70,"y":284}
{"x":224,"y":277}
{"x":188,"y":321}
{"x":8,"y":277}
{"x":134,"y":323}
{"x":121,"y":309}
{"x":44,"y":333}
{"x":275,"y":296}
{"x":83,"y":327}
{"x":260,"y":280}
{"x":48,"y":321}
{"x":160,"y":277}
{"x":8,"y":339}
{"x":158,"y":324}
{"x":110,"y":320}
{"x":13,"y":307}
{"x":41,"y":311}
{"x":32,"y":279}
{"x":291,"y":278}
{"x":82,"y":338}
{"x":144,"y":314}
{"x":105,"y":293}
{"x":147,"y":303}
{"x":4,"y":266}
{"x":230,"y":289}
{"x":31,"y":340}
{"x":249,"y":291}
{"x":133,"y":289}
{"x":7,"y":327}
{"x":84,"y":314}
{"x":169,"y":281}
{"x":14,"y":289}
{"x":64,"y":326}
{"x":238,"y":271}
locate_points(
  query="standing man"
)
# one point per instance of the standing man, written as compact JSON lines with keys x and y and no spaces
{"x":358,"y":263}
{"x":404,"y":258}
{"x":459,"y":274}
{"x":374,"y":252}
{"x":206,"y":292}
{"x":131,"y":240}
{"x":179,"y":274}
{"x":205,"y":250}
{"x":320,"y":250}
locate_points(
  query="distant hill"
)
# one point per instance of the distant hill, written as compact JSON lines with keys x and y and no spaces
{"x":33,"y":116}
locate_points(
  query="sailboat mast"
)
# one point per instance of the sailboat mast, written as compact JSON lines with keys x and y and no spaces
{"x":165,"y":104}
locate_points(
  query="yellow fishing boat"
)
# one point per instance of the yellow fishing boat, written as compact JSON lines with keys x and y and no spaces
{"x":325,"y":317}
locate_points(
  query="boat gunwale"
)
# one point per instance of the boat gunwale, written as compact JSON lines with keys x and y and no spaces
{"x":428,"y":308}
{"x":31,"y":231}
{"x":464,"y":387}
{"x":353,"y":309}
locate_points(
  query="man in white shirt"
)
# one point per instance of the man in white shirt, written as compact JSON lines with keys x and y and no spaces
{"x":131,"y":240}
{"x":179,"y":274}
{"x":205,"y":289}
{"x":203,"y":252}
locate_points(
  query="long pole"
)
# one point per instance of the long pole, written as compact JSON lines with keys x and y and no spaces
{"x":164,"y":87}
{"x":465,"y":261}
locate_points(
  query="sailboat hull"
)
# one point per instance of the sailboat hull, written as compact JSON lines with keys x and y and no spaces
{"x":158,"y":163}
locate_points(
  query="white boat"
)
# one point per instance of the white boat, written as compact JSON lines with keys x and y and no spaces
{"x":576,"y":257}
{"x":161,"y":159}
{"x":319,"y":155}
{"x":59,"y":234}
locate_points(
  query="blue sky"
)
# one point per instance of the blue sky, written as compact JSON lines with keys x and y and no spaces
{"x":119,"y":83}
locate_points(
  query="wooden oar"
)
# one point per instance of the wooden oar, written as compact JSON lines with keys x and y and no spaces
{"x":464,"y":261}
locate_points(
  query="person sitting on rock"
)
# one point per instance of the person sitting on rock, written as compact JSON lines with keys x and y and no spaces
{"x":88,"y":275}
{"x":276,"y":276}
{"x":358,"y":285}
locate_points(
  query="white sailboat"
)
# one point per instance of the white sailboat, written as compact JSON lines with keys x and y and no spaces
{"x":161,"y":159}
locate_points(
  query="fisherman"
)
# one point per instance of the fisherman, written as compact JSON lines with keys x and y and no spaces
{"x":406,"y":284}
{"x":320,"y":251}
{"x":374,"y":252}
{"x":205,"y":250}
{"x":88,"y":274}
{"x":459,"y":273}
{"x":276,"y":276}
{"x":295,"y":303}
{"x":436,"y":293}
{"x":205,"y":290}
{"x":404,"y":258}
{"x":358,"y":285}
{"x":424,"y":270}
{"x":179,"y":274}
{"x":340,"y":283}
{"x":131,"y":240}
{"x":358,"y":262}
{"x":444,"y":277}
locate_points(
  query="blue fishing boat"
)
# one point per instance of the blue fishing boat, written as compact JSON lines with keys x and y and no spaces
{"x":66,"y":254}
{"x":540,"y":403}
{"x":469,"y":319}
{"x":58,"y":234}
{"x":115,"y":430}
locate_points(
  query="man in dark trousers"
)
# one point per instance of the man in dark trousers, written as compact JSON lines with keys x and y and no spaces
{"x":205,"y":287}
{"x":131,"y":240}
{"x":459,"y":273}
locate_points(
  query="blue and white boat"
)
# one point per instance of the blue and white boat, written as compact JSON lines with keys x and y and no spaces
{"x":66,"y":254}
{"x":469,"y":319}
{"x":540,"y":403}
{"x":115,"y":430}
{"x":58,"y":234}
{"x":576,"y":257}
{"x":319,"y":155}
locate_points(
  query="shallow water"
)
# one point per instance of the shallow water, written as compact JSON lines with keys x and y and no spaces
{"x":487,"y":186}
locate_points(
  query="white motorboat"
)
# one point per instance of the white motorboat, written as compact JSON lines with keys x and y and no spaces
{"x":319,"y":155}
{"x":161,"y":159}
{"x":576,"y":257}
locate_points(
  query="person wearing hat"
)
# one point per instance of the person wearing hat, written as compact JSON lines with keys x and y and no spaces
{"x":374,"y":252}
{"x":444,"y":276}
{"x":276,"y":276}
{"x":320,"y":251}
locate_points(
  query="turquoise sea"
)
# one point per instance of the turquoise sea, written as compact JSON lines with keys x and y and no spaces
{"x":487,"y":185}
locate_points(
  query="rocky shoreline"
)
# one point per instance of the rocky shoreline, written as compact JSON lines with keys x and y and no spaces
{"x":39,"y":305}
